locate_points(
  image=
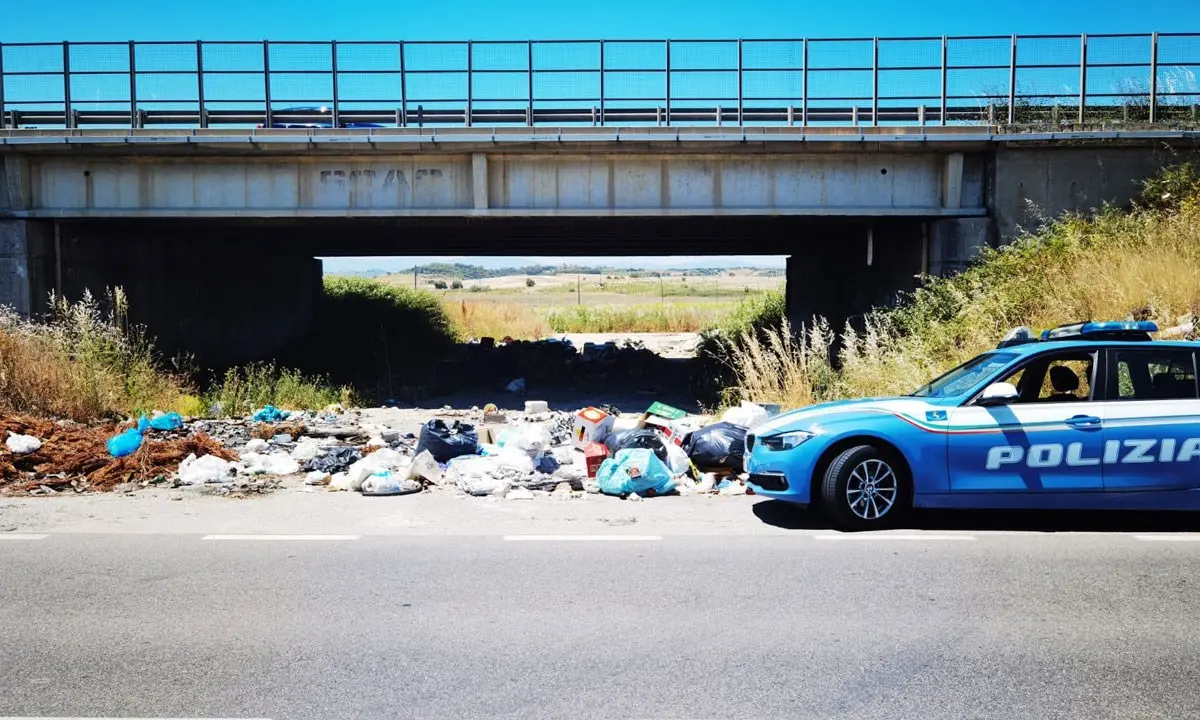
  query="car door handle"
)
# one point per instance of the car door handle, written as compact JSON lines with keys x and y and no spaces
{"x":1083,"y":421}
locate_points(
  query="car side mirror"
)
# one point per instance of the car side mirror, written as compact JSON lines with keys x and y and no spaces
{"x":1000,"y":393}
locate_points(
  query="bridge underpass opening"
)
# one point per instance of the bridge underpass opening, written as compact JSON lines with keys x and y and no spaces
{"x":232,"y":291}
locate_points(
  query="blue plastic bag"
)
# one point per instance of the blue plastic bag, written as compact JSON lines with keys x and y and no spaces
{"x":270,"y":414}
{"x":170,"y":421}
{"x":126,"y":443}
{"x":636,"y":470}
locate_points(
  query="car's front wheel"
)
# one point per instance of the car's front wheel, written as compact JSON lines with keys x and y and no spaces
{"x":863,"y":490}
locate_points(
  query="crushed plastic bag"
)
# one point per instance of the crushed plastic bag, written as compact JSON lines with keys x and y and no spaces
{"x":677,"y":460}
{"x":533,"y":440}
{"x":386,"y":482}
{"x":717,"y":447}
{"x":643,"y":439}
{"x":203,"y":470}
{"x":446,"y":442}
{"x":270,"y":414}
{"x":746,"y":415}
{"x":424,"y":467}
{"x":22,"y":444}
{"x":637,"y":471}
{"x":170,"y":421}
{"x":306,"y":451}
{"x":124,"y":444}
{"x":337,"y":460}
{"x":257,"y":445}
{"x":488,"y":475}
{"x":384,"y":459}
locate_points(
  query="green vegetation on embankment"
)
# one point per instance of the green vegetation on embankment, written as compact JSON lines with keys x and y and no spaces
{"x":1139,"y":262}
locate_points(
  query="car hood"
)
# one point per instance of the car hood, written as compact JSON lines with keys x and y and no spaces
{"x":815,"y":415}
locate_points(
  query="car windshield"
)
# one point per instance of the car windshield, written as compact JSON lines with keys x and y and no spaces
{"x":965,"y":376}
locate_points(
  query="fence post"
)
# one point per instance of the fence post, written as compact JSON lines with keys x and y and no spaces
{"x":1012,"y":82}
{"x":68,"y":116}
{"x":741,"y":103}
{"x":470,"y":81}
{"x":529,"y":110}
{"x":200,"y":84}
{"x":942,"y":114}
{"x":333,"y":63}
{"x":668,"y":86}
{"x":1153,"y":78}
{"x":875,"y":83}
{"x":267,"y":83}
{"x":403,"y":90}
{"x":133,"y":111}
{"x":602,"y":83}
{"x":803,"y":85}
{"x":1082,"y":77}
{"x":3,"y":114}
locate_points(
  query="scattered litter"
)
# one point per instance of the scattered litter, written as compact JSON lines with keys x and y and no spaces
{"x":282,"y":439}
{"x":424,"y":467}
{"x":635,"y":471}
{"x":337,"y":460}
{"x":306,"y":451}
{"x":271,"y":414}
{"x":125,"y":444}
{"x":448,"y":442}
{"x":532,"y":440}
{"x":591,"y":425}
{"x":718,"y":447}
{"x":386,"y":482}
{"x":22,"y":444}
{"x":204,"y":470}
{"x":257,"y":445}
{"x":168,"y":422}
{"x":316,"y":477}
{"x":746,"y":415}
{"x":536,"y":406}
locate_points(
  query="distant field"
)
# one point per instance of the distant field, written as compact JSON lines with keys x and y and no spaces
{"x":510,"y":306}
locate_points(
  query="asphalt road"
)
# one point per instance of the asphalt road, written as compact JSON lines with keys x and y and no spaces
{"x":913,"y":624}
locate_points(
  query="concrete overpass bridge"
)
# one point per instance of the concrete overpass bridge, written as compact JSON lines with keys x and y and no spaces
{"x":199,"y":225}
{"x":868,"y":162}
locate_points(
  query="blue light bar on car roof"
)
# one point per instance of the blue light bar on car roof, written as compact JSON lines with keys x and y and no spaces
{"x":1136,"y":328}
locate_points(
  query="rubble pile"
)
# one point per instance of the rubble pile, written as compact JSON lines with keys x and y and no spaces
{"x":515,"y":455}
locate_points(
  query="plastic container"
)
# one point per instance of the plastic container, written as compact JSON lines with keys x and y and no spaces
{"x":592,"y":425}
{"x":536,"y":406}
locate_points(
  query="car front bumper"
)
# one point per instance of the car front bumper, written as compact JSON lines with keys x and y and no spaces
{"x":783,"y":474}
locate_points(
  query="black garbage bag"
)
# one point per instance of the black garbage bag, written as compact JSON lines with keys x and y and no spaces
{"x":446,"y":442}
{"x":716,"y":447}
{"x":643,"y":439}
{"x":336,"y":460}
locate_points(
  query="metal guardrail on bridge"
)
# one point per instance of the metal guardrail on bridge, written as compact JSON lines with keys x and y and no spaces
{"x":1025,"y":80}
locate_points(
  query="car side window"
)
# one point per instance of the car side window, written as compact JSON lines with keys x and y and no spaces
{"x":1162,"y":374}
{"x":1057,"y":378}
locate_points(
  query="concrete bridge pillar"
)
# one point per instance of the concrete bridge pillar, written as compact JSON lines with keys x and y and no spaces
{"x":26,"y":264}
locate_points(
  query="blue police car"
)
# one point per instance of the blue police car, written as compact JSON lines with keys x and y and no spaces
{"x":1094,"y":415}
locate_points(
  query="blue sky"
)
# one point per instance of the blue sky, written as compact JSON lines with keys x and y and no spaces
{"x":87,"y":20}
{"x":82,"y":20}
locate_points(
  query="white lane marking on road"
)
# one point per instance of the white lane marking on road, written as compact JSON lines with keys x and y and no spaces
{"x":891,"y":536}
{"x":1168,"y":538}
{"x":21,"y":536}
{"x":56,"y":717}
{"x":587,"y":538}
{"x":278,"y":537}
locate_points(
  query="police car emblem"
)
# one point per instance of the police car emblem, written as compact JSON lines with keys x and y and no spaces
{"x":935,"y":415}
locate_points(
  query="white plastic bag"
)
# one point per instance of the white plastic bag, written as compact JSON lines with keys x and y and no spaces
{"x":307,"y":450}
{"x":532,"y":440}
{"x":257,"y":445}
{"x":207,"y":469}
{"x":746,"y":415}
{"x":677,"y":459}
{"x":383,"y":459}
{"x":22,"y":444}
{"x":280,"y":464}
{"x":424,"y":467}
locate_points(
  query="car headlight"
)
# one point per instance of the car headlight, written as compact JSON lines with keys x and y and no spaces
{"x":785,"y":441}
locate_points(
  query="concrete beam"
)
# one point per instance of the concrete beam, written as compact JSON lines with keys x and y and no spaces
{"x":952,"y":181}
{"x":601,"y":185}
{"x":479,"y":178}
{"x":25,"y":254}
{"x":16,"y":185}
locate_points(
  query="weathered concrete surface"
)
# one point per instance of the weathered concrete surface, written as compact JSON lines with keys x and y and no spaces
{"x":482,"y":185}
{"x":26,"y":264}
{"x":231,"y":306}
{"x":956,"y":243}
{"x":840,"y":277}
{"x":1032,"y":184}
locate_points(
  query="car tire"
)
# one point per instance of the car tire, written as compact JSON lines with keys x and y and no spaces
{"x":864,"y":490}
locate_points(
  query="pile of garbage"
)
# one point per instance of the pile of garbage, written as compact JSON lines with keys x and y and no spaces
{"x":516,"y":455}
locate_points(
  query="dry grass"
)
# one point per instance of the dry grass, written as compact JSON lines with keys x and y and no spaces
{"x":475,"y":319}
{"x":660,"y":318}
{"x":84,"y":364}
{"x":1144,"y":263}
